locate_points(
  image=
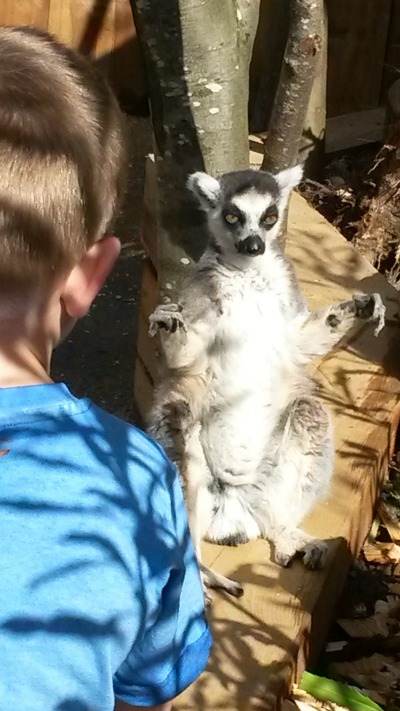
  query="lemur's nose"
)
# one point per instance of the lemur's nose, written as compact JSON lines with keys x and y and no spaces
{"x":252,"y":245}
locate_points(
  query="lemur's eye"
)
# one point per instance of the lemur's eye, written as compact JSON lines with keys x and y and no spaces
{"x":269,"y":220}
{"x":231,"y":219}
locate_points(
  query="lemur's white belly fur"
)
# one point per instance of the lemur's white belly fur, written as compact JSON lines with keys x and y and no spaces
{"x":247,"y":390}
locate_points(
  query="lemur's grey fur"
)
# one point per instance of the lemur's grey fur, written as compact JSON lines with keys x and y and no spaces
{"x":236,"y":409}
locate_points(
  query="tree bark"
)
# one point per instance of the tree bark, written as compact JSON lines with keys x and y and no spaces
{"x":285,"y":133}
{"x":312,"y":143}
{"x":307,"y":30}
{"x":378,"y":236}
{"x":197,"y":57}
{"x":269,"y":48}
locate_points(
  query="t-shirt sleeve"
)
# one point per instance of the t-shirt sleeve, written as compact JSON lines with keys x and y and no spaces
{"x":174,"y":646}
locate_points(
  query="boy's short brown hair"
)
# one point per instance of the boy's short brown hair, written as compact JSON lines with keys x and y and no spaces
{"x":61,"y":157}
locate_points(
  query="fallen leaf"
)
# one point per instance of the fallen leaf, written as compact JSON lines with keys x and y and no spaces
{"x":335,"y":646}
{"x":376,"y":666}
{"x":366,"y":627}
{"x":383,"y":622}
{"x":392,"y":527}
{"x":382,"y":552}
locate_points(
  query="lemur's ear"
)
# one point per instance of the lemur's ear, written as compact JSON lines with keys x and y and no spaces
{"x":289,"y":178}
{"x":206,"y":189}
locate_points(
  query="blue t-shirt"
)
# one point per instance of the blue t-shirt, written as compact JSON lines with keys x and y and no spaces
{"x":100,"y":593}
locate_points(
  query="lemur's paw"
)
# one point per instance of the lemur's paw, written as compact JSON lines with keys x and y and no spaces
{"x":283,"y":558}
{"x":313,"y":551}
{"x":168,"y":317}
{"x":211,"y":579}
{"x":362,"y":307}
{"x":315,"y":554}
{"x":370,"y":307}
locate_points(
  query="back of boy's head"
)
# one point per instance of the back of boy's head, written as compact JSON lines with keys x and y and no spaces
{"x":61,"y":158}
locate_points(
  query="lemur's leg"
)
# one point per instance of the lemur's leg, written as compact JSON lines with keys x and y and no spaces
{"x":196,"y":477}
{"x":183,"y":342}
{"x":299,"y":478}
{"x":322,"y":330}
{"x":173,"y":426}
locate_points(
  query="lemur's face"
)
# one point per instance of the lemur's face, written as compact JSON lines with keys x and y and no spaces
{"x":244,"y":208}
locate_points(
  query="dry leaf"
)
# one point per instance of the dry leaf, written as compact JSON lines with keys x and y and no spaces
{"x":392,"y":527}
{"x":367,"y":667}
{"x":380,"y":674}
{"x":382,"y":552}
{"x":367,"y":627}
{"x":383,"y":622}
{"x":306,"y":702}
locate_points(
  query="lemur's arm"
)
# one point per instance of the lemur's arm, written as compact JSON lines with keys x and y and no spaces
{"x":321,"y":330}
{"x":184,"y":338}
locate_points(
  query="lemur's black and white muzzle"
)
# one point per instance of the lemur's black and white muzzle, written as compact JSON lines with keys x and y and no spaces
{"x":252,"y":245}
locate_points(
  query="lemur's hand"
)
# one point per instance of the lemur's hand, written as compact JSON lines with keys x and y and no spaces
{"x":168,"y":317}
{"x":365,"y":307}
{"x":371,"y":308}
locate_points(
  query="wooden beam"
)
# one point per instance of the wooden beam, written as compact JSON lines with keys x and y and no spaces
{"x":358,"y":33}
{"x":342,"y":132}
{"x":352,"y":130}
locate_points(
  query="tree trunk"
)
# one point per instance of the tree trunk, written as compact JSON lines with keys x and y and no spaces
{"x":305,"y":41}
{"x":197,"y":57}
{"x":284,"y":139}
{"x":378,"y":236}
{"x":269,"y":48}
{"x":312,"y":143}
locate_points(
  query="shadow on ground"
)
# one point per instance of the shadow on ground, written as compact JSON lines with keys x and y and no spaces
{"x":97,"y":360}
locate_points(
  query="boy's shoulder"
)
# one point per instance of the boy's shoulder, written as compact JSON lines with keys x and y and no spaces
{"x":50,"y":419}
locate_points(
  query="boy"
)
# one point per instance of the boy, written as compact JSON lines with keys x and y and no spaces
{"x":100,"y":595}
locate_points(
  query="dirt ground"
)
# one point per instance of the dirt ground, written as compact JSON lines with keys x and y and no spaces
{"x":97,"y":360}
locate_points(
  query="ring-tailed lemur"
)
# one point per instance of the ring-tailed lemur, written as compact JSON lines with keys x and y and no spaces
{"x":236,"y":409}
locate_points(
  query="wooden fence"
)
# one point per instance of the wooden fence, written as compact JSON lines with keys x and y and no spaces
{"x":363,"y":51}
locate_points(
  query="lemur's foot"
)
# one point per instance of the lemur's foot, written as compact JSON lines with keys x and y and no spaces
{"x":315,"y":554}
{"x":290,"y":544}
{"x":168,"y":317}
{"x":363,"y":307}
{"x":211,"y":579}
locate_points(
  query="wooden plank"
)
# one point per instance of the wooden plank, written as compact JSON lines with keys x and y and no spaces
{"x":148,"y":227}
{"x":25,"y":12}
{"x":357,"y":44}
{"x":143,"y":389}
{"x":342,"y":132}
{"x":148,"y":348}
{"x":128,"y":75}
{"x":263,"y":640}
{"x":87,"y":25}
{"x":353,"y":130}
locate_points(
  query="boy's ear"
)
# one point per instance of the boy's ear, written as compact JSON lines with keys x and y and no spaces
{"x":86,"y":278}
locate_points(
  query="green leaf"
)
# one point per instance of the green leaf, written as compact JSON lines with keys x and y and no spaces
{"x":336,"y":692}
